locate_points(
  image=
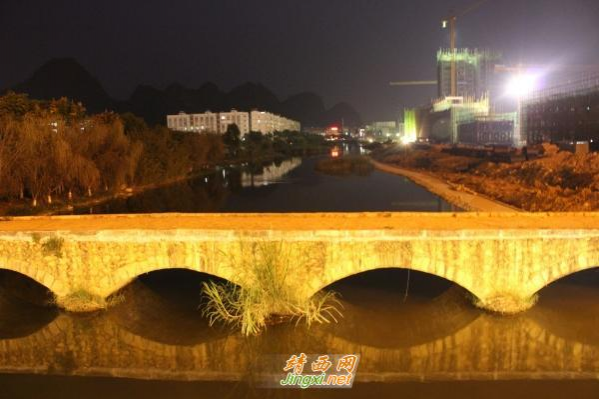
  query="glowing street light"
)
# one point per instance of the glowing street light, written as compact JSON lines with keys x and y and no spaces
{"x":521,"y":85}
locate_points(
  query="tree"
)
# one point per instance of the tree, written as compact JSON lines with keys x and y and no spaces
{"x":13,"y":105}
{"x":232,"y":140}
{"x":254,"y":143}
{"x":133,"y":123}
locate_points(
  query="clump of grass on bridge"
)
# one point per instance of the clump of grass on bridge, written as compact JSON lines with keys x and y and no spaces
{"x":53,"y":246}
{"x":349,"y":165}
{"x":507,"y":304}
{"x":267,"y":297}
{"x":81,"y":300}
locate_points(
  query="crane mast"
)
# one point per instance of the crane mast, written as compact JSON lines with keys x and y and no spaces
{"x":451,"y":23}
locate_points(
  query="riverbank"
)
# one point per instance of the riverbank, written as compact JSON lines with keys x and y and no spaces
{"x":344,"y":166}
{"x":60,"y":206}
{"x":555,"y":182}
{"x":63,"y":205}
{"x":456,"y":195}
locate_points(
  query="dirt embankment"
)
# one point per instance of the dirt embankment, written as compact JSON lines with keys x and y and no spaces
{"x":558,"y":181}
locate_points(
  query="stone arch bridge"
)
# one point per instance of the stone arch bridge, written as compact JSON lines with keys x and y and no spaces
{"x":502,"y":259}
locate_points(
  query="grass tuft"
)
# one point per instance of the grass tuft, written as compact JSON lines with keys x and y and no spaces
{"x":506,"y":304}
{"x":266,"y":296}
{"x":52,"y":246}
{"x":82,"y":300}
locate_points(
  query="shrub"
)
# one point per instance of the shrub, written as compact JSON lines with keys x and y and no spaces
{"x":266,"y":295}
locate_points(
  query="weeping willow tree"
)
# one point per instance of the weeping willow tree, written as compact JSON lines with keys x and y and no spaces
{"x":266,"y":295}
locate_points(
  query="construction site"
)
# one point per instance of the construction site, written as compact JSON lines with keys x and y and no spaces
{"x":470,"y":110}
{"x":567,"y":114}
{"x":542,"y":154}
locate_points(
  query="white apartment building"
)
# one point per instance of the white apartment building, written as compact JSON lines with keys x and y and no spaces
{"x":241,"y":119}
{"x":266,"y":123}
{"x":180,"y":122}
{"x":263,"y":122}
{"x":201,"y":123}
{"x":206,"y":122}
{"x":210,"y":122}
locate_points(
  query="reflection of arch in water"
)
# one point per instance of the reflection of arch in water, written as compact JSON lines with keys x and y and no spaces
{"x":96,"y":346}
{"x":481,"y":350}
{"x":25,"y":305}
{"x":180,"y":323}
{"x":398,"y":324}
{"x":570,"y":309}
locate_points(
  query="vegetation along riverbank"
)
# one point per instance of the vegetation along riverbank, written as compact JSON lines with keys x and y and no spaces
{"x":348,"y":165}
{"x":555,"y":181}
{"x":54,"y":155}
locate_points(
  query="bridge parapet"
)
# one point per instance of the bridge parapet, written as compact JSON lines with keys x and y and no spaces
{"x":502,"y":260}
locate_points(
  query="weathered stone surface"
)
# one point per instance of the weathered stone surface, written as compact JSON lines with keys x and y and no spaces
{"x":499,"y":264}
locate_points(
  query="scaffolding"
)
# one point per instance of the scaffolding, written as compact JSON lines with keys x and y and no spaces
{"x":564,"y":113}
{"x":474,"y":69}
{"x":581,"y":86}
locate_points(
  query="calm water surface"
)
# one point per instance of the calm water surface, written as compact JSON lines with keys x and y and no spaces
{"x":291,"y":185}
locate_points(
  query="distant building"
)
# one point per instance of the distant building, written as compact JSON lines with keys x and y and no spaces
{"x":266,"y":123}
{"x":439,"y":121}
{"x":206,"y":122}
{"x":382,"y":130}
{"x":241,"y":119}
{"x":474,"y":70}
{"x":209,"y":122}
{"x":565,"y":114}
{"x":180,"y":122}
{"x":201,"y":123}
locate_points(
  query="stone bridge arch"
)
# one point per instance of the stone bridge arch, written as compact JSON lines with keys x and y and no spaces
{"x":329,"y":280}
{"x":42,"y":277}
{"x":125,"y":276}
{"x":558,"y":272}
{"x":503,"y":271}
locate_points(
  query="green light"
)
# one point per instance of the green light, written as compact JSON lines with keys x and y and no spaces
{"x":467,"y":55}
{"x":409,"y":120}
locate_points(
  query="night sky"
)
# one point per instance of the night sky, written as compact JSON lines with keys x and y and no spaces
{"x":345,"y":50}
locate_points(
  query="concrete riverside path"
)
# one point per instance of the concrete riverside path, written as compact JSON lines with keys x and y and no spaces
{"x":503,"y":259}
{"x":469,"y":201}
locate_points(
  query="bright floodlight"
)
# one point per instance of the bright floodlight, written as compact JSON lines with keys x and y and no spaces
{"x":405,"y":140}
{"x":521,"y":85}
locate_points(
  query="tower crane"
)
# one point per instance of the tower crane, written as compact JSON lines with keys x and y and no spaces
{"x":448,"y":22}
{"x":451,"y":22}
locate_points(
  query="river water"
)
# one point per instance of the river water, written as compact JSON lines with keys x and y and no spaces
{"x":291,"y":185}
{"x":417,"y":335}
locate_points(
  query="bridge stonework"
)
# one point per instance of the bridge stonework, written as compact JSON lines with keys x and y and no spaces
{"x":502,"y":266}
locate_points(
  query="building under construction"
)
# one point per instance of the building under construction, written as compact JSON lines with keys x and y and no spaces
{"x":474,"y":72}
{"x":439,"y":121}
{"x":496,"y":130}
{"x":564,"y":114}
